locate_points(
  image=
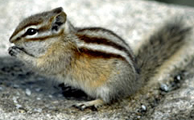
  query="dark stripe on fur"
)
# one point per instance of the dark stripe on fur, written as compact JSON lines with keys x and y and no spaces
{"x":99,"y":54}
{"x":103,"y":41}
{"x":101,"y":29}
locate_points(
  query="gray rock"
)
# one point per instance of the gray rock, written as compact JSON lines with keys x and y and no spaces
{"x":134,"y":21}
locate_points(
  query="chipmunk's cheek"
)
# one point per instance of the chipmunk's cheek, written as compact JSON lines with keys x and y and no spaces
{"x":34,"y":49}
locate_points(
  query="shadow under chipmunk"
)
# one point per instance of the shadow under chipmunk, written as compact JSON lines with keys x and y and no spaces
{"x":18,"y":84}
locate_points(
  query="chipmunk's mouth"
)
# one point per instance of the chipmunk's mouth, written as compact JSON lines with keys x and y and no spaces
{"x":23,"y":49}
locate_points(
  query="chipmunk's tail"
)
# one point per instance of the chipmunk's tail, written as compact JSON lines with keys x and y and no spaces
{"x":161,"y":46}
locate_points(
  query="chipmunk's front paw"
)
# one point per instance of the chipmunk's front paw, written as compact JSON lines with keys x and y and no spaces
{"x":15,"y":51}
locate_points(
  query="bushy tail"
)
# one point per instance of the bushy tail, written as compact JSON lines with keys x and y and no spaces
{"x":161,"y":46}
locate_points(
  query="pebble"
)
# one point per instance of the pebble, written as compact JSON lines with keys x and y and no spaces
{"x":21,"y":110}
{"x":15,"y":99}
{"x":38,"y":98}
{"x":18,"y":106}
{"x":50,"y":96}
{"x":38,"y":89}
{"x":40,"y":79}
{"x":28,"y":92}
{"x":38,"y":110}
{"x":18,"y":93}
{"x":164,"y":87}
{"x":178,"y":78}
{"x":138,"y":117}
{"x":1,"y":88}
{"x":16,"y":86}
{"x":144,"y":108}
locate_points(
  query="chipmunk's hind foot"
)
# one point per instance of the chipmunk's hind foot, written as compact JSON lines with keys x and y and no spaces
{"x":93,"y":105}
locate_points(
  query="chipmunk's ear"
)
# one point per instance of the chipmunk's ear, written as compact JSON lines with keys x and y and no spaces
{"x":57,"y":10}
{"x":59,"y":19}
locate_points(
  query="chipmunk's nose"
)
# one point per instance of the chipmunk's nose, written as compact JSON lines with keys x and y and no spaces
{"x":13,"y":39}
{"x":10,"y":40}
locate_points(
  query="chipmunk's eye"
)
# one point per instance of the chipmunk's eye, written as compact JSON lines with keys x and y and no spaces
{"x":31,"y":31}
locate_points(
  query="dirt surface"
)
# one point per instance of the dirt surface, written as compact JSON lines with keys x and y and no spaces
{"x":26,"y":95}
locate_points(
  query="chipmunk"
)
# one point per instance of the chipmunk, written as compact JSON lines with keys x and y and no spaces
{"x":95,"y":60}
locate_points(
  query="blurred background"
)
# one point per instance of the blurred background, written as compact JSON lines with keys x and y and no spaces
{"x":180,"y":2}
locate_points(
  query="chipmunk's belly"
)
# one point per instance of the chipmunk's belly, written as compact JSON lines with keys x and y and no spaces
{"x":87,"y":87}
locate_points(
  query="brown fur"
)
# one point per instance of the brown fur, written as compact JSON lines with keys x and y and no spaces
{"x":92,"y":69}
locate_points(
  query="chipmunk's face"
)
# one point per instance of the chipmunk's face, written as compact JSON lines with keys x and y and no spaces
{"x":36,"y":33}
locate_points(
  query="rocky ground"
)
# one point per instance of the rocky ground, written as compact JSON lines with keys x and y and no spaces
{"x":25,"y":95}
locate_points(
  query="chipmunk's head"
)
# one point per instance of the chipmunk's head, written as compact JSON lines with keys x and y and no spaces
{"x":35,"y":33}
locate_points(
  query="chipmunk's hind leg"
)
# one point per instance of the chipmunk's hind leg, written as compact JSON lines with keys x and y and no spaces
{"x":93,"y":105}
